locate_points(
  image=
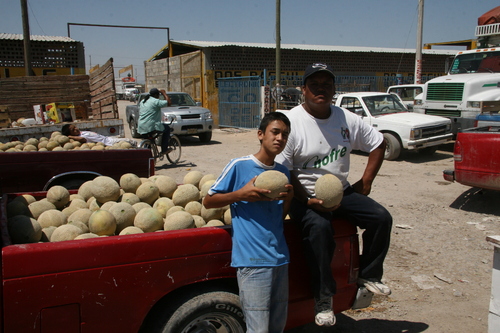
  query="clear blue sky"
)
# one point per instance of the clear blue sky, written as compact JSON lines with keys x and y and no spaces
{"x":381,"y":23}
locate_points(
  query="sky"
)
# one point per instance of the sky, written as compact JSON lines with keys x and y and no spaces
{"x":375,"y":23}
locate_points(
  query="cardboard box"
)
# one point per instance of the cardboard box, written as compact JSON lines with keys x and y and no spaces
{"x":60,"y":112}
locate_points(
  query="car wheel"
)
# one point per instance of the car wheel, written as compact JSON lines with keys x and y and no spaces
{"x":205,"y":136}
{"x":392,"y":147}
{"x":133,"y":129}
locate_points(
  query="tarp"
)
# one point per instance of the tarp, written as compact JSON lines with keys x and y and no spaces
{"x":490,"y":17}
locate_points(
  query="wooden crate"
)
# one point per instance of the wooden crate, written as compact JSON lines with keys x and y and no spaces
{"x":4,"y":116}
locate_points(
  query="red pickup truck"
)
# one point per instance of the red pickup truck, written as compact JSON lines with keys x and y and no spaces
{"x":37,"y":171}
{"x":169,"y":281}
{"x":476,"y":155}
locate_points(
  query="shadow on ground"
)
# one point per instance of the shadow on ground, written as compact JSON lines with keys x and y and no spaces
{"x":478,"y":201}
{"x":346,"y":324}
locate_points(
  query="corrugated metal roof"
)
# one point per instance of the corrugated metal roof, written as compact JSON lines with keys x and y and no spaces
{"x":306,"y":47}
{"x":36,"y":38}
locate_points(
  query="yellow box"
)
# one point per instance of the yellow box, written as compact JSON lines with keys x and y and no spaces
{"x":60,"y":112}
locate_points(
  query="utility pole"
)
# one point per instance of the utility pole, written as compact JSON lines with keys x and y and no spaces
{"x":278,"y":52}
{"x":418,"y":56}
{"x":26,"y":36}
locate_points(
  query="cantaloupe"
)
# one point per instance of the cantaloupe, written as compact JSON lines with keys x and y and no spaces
{"x":65,"y":232}
{"x":80,"y":225}
{"x":178,"y":220}
{"x":166,"y":185}
{"x":58,"y":195}
{"x":148,"y":220}
{"x":198,"y":221}
{"x":51,"y":145}
{"x":82,"y":215}
{"x":18,"y":207}
{"x":124,"y":215}
{"x":93,"y":204}
{"x":102,"y":223}
{"x":184,"y":194}
{"x":214,"y":223}
{"x":52,"y":217}
{"x":140,"y":206}
{"x":24,"y":229}
{"x":69,"y":210}
{"x":107,"y":205}
{"x":131,"y":230}
{"x":206,"y":187}
{"x":272,"y":180}
{"x":32,"y":141}
{"x":130,"y":198}
{"x":46,"y":233}
{"x":129,"y":182}
{"x":78,"y":203}
{"x":193,"y":177}
{"x":30,"y":148}
{"x":193,"y":208}
{"x":148,"y":192}
{"x":175,"y":209}
{"x":25,"y":198}
{"x":105,"y":189}
{"x":329,"y":189}
{"x":211,"y":213}
{"x":87,"y":236}
{"x":38,"y":207}
{"x":205,"y":178}
{"x":85,"y":190}
{"x":163,"y":204}
{"x":227,"y":217}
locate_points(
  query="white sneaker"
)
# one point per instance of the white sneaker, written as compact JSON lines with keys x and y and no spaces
{"x":375,"y":286}
{"x":325,"y":318}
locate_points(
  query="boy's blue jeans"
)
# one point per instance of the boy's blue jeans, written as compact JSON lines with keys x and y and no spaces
{"x":264,"y":298}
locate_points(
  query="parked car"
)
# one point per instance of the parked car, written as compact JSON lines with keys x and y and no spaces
{"x":407,"y":93}
{"x":401,"y":129}
{"x":185,"y":116}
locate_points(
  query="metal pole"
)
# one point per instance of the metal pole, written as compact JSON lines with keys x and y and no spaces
{"x":418,"y":56}
{"x":26,"y":38}
{"x":278,"y":52}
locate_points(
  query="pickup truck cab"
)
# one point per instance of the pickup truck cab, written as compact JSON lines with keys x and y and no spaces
{"x":402,"y":129}
{"x":185,"y":116}
{"x":476,"y":161}
{"x":407,"y":93}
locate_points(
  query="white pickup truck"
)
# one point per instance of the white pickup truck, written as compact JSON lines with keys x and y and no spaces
{"x":401,"y":129}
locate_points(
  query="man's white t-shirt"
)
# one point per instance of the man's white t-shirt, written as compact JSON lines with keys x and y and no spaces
{"x":320,"y":146}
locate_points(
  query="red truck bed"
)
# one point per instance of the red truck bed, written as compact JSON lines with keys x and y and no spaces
{"x":29,"y":171}
{"x":476,"y":155}
{"x":110,"y":284}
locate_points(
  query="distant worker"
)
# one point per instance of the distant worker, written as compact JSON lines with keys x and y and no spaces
{"x":150,"y":116}
{"x":72,"y":132}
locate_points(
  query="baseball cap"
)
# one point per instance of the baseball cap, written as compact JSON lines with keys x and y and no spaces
{"x":154,"y":91}
{"x":317,"y":67}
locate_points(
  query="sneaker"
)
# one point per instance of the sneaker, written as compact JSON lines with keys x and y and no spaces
{"x":375,"y":286}
{"x":325,"y":318}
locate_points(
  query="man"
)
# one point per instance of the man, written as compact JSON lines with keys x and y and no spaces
{"x":72,"y":132}
{"x":151,"y":116}
{"x":323,"y":137}
{"x":260,"y":252}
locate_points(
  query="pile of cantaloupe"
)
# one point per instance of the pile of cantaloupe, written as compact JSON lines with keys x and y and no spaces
{"x":105,"y":207}
{"x":58,"y":142}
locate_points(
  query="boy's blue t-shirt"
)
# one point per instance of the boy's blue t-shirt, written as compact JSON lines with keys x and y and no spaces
{"x":258,"y":239}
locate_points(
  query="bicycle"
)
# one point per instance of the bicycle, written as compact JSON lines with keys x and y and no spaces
{"x":153,"y":139}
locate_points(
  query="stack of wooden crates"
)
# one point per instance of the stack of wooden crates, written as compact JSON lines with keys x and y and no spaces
{"x":4,"y":116}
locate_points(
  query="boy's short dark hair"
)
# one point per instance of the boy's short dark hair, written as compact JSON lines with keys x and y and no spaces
{"x":65,"y":130}
{"x":272,"y":116}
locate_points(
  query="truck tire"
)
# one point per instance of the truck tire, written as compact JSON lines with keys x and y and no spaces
{"x":392,"y":147}
{"x":133,"y":129}
{"x":216,"y":311}
{"x":205,"y":137}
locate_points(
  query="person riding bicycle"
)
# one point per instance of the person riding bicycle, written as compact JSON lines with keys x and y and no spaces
{"x":150,"y":116}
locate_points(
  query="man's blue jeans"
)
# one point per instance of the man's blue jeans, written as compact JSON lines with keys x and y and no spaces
{"x":264,"y":298}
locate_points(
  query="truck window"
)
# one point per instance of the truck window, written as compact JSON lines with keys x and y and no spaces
{"x":476,"y":62}
{"x":350,"y":103}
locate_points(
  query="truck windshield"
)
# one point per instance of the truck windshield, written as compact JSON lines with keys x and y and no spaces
{"x":181,"y":100}
{"x":385,"y":104}
{"x":481,"y":62}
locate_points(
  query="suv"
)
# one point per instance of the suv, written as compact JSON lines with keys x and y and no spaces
{"x":185,"y":116}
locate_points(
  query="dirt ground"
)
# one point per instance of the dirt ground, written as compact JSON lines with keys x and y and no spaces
{"x":439,"y":264}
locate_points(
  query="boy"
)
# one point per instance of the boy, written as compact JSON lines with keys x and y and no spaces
{"x":260,"y":253}
{"x":72,"y":132}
